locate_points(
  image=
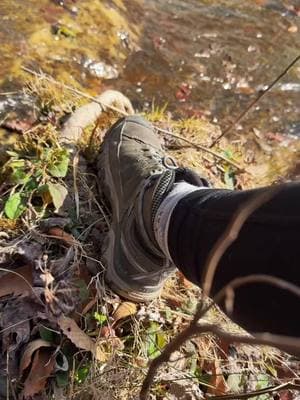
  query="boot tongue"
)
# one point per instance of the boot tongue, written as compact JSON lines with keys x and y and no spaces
{"x":190,"y":176}
{"x":151,"y":197}
{"x":147,"y":204}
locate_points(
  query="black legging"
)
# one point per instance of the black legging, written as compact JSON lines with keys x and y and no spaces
{"x":268,"y":243}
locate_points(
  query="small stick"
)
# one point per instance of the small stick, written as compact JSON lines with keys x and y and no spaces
{"x":270,"y":389}
{"x":76,"y":193}
{"x":203,"y":148}
{"x":72,"y":89}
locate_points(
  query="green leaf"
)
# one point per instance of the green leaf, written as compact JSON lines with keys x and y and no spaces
{"x":66,"y":31}
{"x":161,"y":339}
{"x":82,"y":374}
{"x":58,"y":194}
{"x":229,"y":178}
{"x":152,"y":347}
{"x":14,"y":206}
{"x":19,"y":176}
{"x":31,"y":185}
{"x":263,"y":381}
{"x":58,"y":166}
{"x":100,"y":318}
{"x":228,"y":154}
{"x":46,"y":334}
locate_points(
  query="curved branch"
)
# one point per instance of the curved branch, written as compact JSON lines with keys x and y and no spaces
{"x":89,"y":113}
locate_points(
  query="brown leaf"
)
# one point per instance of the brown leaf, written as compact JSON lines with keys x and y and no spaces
{"x":217,"y":380}
{"x":107,"y":332}
{"x":124,"y":310}
{"x":286,"y":395}
{"x":11,"y":283}
{"x":42,"y":367}
{"x":29,"y":350}
{"x":64,"y":236}
{"x":79,"y":338}
{"x":18,"y":125}
{"x":75,"y":334}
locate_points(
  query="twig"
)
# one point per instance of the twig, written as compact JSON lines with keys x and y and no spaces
{"x":201,"y":147}
{"x":76,"y":193}
{"x":72,"y":89}
{"x":258,"y":278}
{"x":245,"y":280}
{"x":270,"y":389}
{"x":286,"y":343}
{"x":16,"y":324}
{"x":8,"y":93}
{"x":256,"y":100}
{"x":124,"y":113}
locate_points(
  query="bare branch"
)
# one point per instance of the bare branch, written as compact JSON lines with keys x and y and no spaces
{"x":257,"y":278}
{"x":271,"y":389}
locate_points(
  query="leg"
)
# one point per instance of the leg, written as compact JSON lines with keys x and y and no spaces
{"x":268,"y":243}
{"x":164,"y":216}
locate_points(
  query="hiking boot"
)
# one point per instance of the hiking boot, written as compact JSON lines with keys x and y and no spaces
{"x":137,"y":176}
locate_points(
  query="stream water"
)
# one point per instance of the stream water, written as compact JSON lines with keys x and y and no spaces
{"x":203,"y":57}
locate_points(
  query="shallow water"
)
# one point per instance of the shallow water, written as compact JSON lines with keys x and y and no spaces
{"x":203,"y":58}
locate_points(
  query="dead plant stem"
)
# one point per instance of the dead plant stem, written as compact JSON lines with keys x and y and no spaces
{"x":271,"y":389}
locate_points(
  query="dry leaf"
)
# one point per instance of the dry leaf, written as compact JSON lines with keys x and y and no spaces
{"x":11,"y":283}
{"x":42,"y":367}
{"x":64,"y":236}
{"x":99,"y":354}
{"x":124,"y":310}
{"x":29,"y":350}
{"x":173,"y":301}
{"x":107,"y":332}
{"x":218,"y":383}
{"x":79,"y":338}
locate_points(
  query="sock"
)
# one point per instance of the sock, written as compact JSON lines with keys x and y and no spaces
{"x":165,"y":210}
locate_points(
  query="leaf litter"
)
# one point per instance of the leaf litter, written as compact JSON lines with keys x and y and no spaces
{"x":54,"y":312}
